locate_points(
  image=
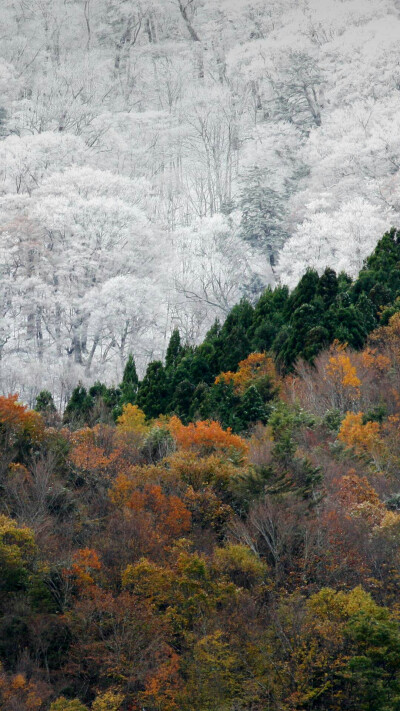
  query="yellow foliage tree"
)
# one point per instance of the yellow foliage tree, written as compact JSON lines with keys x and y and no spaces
{"x":342,"y":372}
{"x":63,"y":704}
{"x":371,"y":358}
{"x":108,"y":701}
{"x":132,"y":419}
{"x":331,"y":605}
{"x":363,"y":437}
{"x":17,"y":548}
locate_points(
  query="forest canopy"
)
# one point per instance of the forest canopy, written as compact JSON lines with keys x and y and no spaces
{"x":230,"y":544}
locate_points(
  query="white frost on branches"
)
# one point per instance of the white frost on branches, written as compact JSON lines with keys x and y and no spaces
{"x":340,"y":240}
{"x":156,"y":156}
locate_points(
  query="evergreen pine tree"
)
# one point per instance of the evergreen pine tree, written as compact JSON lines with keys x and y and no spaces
{"x":251,"y":408}
{"x":153,"y":390}
{"x":348,"y":326}
{"x":175,"y":350}
{"x":269,"y":317}
{"x":130,"y":382}
{"x":304,"y":319}
{"x":98,"y":390}
{"x":223,"y":403}
{"x":45,"y":403}
{"x":79,"y":407}
{"x":328,"y":287}
{"x":304,"y":292}
{"x":234,"y":343}
{"x":106,"y":402}
{"x":249,"y":485}
{"x":308,"y":480}
{"x":199,"y":407}
{"x":182,"y":399}
{"x":366,"y":309}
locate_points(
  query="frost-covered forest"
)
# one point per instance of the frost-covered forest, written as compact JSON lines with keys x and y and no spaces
{"x":160,"y":159}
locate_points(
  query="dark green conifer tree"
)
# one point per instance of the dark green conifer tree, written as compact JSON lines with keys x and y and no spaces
{"x":98,"y":390}
{"x":79,"y":407}
{"x":182,"y":400}
{"x":45,"y":403}
{"x":381,"y":267}
{"x":153,"y":390}
{"x":304,"y":292}
{"x":305,"y":318}
{"x":373,"y":667}
{"x":251,"y":408}
{"x":199,"y":406}
{"x":327,"y":287}
{"x":129,"y":383}
{"x":234,"y":342}
{"x":269,"y":317}
{"x":175,"y":350}
{"x":348,"y":326}
{"x":366,"y":309}
{"x":222,"y":405}
{"x":308,"y":480}
{"x":106,"y":403}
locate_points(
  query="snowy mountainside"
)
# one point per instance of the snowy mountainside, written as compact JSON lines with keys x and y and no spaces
{"x":160,"y":159}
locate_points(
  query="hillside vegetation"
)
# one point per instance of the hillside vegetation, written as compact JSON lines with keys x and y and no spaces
{"x":223,"y":534}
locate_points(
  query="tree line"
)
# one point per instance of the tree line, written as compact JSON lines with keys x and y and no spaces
{"x":287,"y":325}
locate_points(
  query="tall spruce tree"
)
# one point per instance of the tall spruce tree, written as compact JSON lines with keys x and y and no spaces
{"x":79,"y":407}
{"x":328,"y":287}
{"x":45,"y":403}
{"x":130,"y":382}
{"x":251,"y":408}
{"x":153,"y":390}
{"x":175,"y":350}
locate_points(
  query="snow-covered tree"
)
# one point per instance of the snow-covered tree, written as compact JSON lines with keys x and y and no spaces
{"x":341,"y":240}
{"x":156,"y":156}
{"x":216,"y":267}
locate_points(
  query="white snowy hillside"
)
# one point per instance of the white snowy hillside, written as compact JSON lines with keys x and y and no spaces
{"x":159,"y":159}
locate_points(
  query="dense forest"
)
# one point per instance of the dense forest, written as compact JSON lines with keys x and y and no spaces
{"x":162,"y":159}
{"x":221,"y":534}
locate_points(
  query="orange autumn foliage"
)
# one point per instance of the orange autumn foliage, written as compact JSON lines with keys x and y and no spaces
{"x":363,"y":437}
{"x":16,"y":420}
{"x":342,"y":371}
{"x":206,"y":437}
{"x":122,"y":489}
{"x":89,"y":457}
{"x":388,"y":336}
{"x":371,"y":358}
{"x":254,"y":367}
{"x":88,"y":453}
{"x":85,"y":564}
{"x":164,"y":684}
{"x":170,"y":515}
{"x":17,"y":692}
